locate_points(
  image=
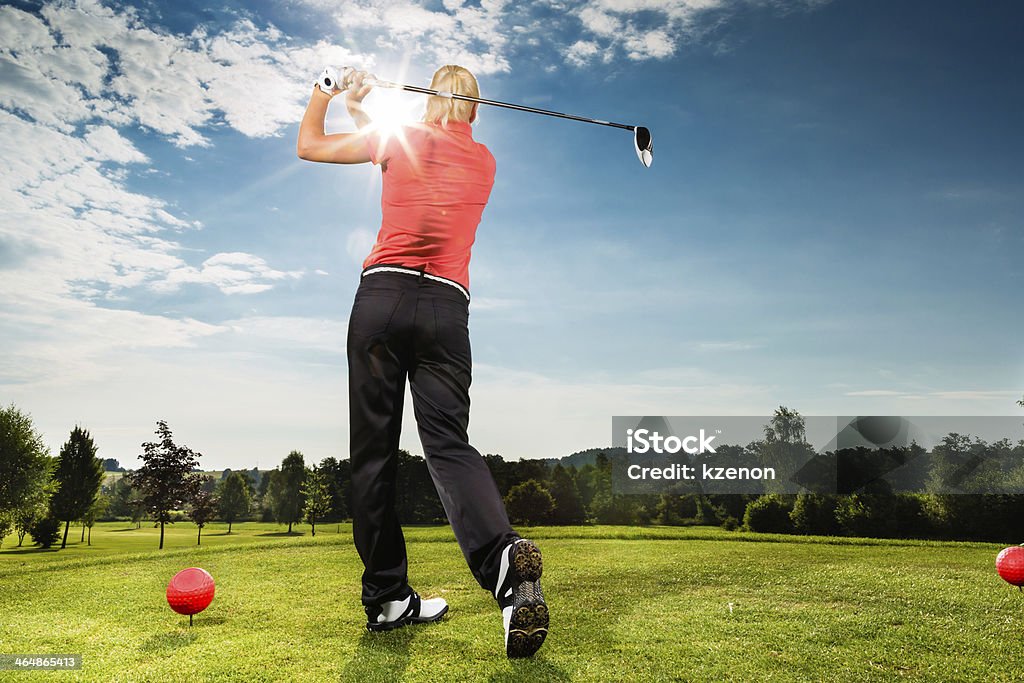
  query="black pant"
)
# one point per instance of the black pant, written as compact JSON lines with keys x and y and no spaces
{"x":410,"y":326}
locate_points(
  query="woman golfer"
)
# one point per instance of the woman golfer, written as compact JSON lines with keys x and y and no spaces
{"x":410,"y":321}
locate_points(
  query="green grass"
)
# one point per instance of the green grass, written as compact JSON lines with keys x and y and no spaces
{"x":627,"y":604}
{"x":118,"y":538}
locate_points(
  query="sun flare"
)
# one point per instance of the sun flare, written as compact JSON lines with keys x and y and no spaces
{"x":390,"y":111}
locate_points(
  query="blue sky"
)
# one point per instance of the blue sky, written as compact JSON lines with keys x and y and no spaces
{"x":833,"y":220}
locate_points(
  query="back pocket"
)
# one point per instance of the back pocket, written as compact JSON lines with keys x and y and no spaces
{"x":372,"y":312}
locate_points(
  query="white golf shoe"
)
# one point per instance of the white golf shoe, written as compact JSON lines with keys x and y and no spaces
{"x":524,"y":613}
{"x":409,"y":610}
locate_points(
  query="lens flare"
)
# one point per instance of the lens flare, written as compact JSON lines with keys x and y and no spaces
{"x":390,"y":111}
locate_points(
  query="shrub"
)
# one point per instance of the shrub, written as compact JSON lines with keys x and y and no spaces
{"x":878,"y":515}
{"x":814,"y":514}
{"x":529,"y":503}
{"x":769,"y":514}
{"x":46,"y":531}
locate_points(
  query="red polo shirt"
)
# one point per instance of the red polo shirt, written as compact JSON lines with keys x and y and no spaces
{"x":436,"y":184}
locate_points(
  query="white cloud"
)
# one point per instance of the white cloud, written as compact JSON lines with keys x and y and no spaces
{"x":78,"y":83}
{"x":71,"y":81}
{"x":874,"y":392}
{"x":654,"y":44}
{"x":485,"y":303}
{"x":58,"y":342}
{"x":975,"y":395}
{"x":473,"y":36}
{"x":358,"y":244}
{"x":599,"y":22}
{"x":555,"y":417}
{"x":580,"y":52}
{"x":955,"y":395}
{"x":170,"y":83}
{"x":81,"y":82}
{"x":231,"y":273}
{"x":727,"y":346}
{"x":486,"y":37}
{"x":295,"y":332}
{"x":642,"y":30}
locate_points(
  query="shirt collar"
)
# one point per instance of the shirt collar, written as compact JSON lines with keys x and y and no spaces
{"x":463,"y":127}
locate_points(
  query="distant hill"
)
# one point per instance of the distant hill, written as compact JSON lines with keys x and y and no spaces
{"x":586,"y":457}
{"x":578,"y":460}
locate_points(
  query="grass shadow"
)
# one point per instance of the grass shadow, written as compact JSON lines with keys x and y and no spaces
{"x":379,"y":657}
{"x":533,"y":669}
{"x":30,"y":550}
{"x":281,"y":533}
{"x":117,"y":531}
{"x":167,"y":643}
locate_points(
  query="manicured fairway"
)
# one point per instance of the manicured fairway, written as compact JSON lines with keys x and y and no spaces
{"x":627,"y":604}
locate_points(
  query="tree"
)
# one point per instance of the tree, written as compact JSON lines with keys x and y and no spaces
{"x":24,"y":460}
{"x":78,"y":476}
{"x":785,"y":426}
{"x":526,"y":469}
{"x":95,"y":511}
{"x":586,"y":481}
{"x":264,"y":485}
{"x":265,"y":499}
{"x":286,"y":490}
{"x":204,"y":507}
{"x":607,"y":507}
{"x":317,"y":494}
{"x":120,"y":492}
{"x":339,"y":485}
{"x":568,"y":502}
{"x":814,"y":513}
{"x":500,"y":471}
{"x":769,"y":514}
{"x":673,"y":509}
{"x":783,"y":448}
{"x":165,"y":480}
{"x":234,"y":500}
{"x":25,"y":519}
{"x":35,"y":505}
{"x":615,"y":508}
{"x":45,"y":531}
{"x":529,"y":503}
{"x":416,"y":500}
{"x":137,"y":505}
{"x":5,"y":526}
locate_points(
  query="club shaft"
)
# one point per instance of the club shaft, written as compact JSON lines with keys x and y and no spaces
{"x":506,"y":105}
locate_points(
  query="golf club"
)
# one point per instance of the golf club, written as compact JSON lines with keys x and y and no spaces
{"x":642,"y":141}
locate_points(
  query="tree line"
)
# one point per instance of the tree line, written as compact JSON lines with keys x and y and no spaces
{"x":42,"y":496}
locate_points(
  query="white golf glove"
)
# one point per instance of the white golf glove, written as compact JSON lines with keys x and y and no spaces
{"x":331,"y":83}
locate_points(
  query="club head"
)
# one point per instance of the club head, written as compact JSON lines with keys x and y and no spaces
{"x":644,"y":145}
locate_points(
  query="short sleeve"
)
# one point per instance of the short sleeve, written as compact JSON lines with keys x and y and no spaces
{"x":373,"y":147}
{"x":379,"y":149}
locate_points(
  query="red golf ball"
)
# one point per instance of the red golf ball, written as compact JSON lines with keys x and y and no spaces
{"x":190,"y":591}
{"x":1010,"y":565}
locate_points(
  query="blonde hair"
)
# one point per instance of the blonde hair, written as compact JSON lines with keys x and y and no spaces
{"x":457,"y":80}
